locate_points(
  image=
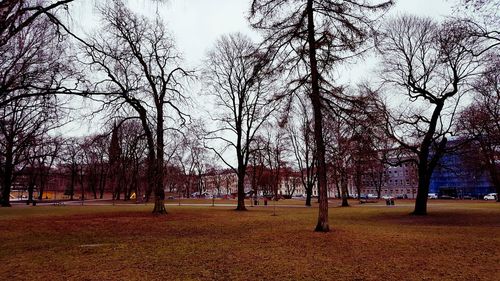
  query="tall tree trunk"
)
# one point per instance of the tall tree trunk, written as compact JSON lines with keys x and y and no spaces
{"x":8,"y":172}
{"x":241,"y":190}
{"x":422,"y":192}
{"x":102,"y":183}
{"x":7,"y":184}
{"x":159,"y":190}
{"x":41,"y":188}
{"x":157,"y":187}
{"x":72,"y":184}
{"x":424,"y":169}
{"x":93,"y":186}
{"x":322,"y":224}
{"x":358,"y":181}
{"x":339,"y":193}
{"x":31,"y":188}
{"x":82,"y":187}
{"x":309,"y":189}
{"x":343,"y":187}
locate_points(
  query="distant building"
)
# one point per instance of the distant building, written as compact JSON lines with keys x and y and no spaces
{"x":460,"y":174}
{"x":400,"y":180}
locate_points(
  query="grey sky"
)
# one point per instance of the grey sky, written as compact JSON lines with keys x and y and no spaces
{"x":196,"y":25}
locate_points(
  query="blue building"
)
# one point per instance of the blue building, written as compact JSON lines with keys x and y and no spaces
{"x":460,"y":174}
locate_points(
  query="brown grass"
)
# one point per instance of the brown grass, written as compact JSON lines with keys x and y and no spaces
{"x":457,"y":241}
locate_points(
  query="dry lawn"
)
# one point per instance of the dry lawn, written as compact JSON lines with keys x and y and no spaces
{"x":457,"y":241}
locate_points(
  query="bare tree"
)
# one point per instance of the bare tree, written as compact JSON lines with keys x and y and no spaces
{"x":430,"y":63}
{"x":339,"y":150}
{"x":309,"y":38}
{"x":144,"y":80}
{"x":236,"y":78}
{"x":275,"y":152}
{"x":33,"y":61}
{"x":100,"y":145}
{"x":369,"y":142}
{"x":480,"y":20}
{"x":18,"y":15}
{"x":93,"y":161}
{"x":301,"y":138}
{"x":126,"y":159}
{"x":133,"y":145}
{"x":197,"y":155}
{"x":40,"y":159}
{"x":23,"y":123}
{"x":256,"y":171}
{"x":72,"y":157}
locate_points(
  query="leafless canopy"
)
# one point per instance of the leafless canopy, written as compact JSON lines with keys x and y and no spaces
{"x":307,"y":39}
{"x":16,"y":15}
{"x":32,"y":58}
{"x":138,"y":73}
{"x":431,"y":65}
{"x":341,"y":31}
{"x":236,"y":76}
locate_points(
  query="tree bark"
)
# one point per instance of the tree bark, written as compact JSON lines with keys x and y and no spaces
{"x":424,"y":169}
{"x":309,"y":194}
{"x":322,"y":225}
{"x":159,"y":191}
{"x":31,"y":188}
{"x":343,"y":185}
{"x":241,"y":190}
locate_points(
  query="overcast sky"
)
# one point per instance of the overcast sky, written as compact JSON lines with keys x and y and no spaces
{"x":196,"y":25}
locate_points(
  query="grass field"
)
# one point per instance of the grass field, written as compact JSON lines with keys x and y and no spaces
{"x":456,"y":241}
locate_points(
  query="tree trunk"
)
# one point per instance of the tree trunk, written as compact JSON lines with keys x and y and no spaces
{"x":322,"y":224}
{"x":159,"y":190}
{"x":343,"y":187}
{"x":102,"y":183}
{"x":7,"y":176}
{"x":309,"y":188}
{"x":157,"y":186}
{"x":7,"y":184}
{"x":358,"y":180}
{"x":31,"y":188}
{"x":159,"y":208}
{"x":424,"y":169}
{"x":72,"y":184}
{"x":339,"y":194}
{"x":41,"y":188}
{"x":93,"y":186}
{"x":422,"y":192}
{"x":241,"y":190}
{"x":82,"y":189}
